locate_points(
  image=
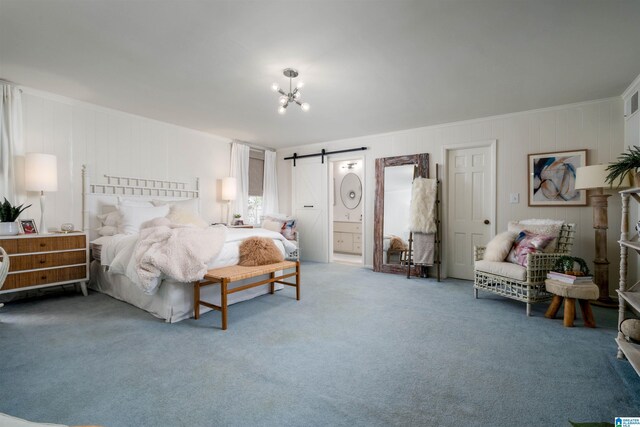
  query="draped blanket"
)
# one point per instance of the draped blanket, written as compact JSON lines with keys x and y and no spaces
{"x":178,"y":251}
{"x":422,"y":213}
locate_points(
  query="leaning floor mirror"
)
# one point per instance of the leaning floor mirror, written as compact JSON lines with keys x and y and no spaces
{"x":394,"y":178}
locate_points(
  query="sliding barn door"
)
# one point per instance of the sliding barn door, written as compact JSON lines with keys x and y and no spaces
{"x":310,"y":201}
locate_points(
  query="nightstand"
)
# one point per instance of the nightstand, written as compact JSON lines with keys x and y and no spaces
{"x":41,"y":260}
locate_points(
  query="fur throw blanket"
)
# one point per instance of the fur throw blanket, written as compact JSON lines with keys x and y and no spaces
{"x":175,"y":250}
{"x":422,"y":213}
{"x":259,"y":251}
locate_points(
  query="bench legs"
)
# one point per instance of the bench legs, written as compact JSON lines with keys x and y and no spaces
{"x":223,"y":302}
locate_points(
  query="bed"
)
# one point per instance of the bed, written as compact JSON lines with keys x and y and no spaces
{"x":173,"y":300}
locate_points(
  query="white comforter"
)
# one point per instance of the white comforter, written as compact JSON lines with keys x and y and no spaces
{"x":118,"y":251}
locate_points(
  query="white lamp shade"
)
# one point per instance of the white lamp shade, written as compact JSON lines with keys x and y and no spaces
{"x":229,"y":188}
{"x":595,"y":176}
{"x":40,"y":172}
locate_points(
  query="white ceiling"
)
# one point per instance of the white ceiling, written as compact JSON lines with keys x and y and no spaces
{"x":369,"y":66}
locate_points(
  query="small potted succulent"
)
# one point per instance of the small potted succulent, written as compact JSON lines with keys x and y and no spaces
{"x":8,"y":216}
{"x":627,"y":163}
{"x":236,"y":219}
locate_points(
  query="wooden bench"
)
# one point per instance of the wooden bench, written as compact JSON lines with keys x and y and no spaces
{"x":234,"y":273}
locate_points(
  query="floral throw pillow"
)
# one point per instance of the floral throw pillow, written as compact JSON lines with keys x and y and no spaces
{"x":527,"y":243}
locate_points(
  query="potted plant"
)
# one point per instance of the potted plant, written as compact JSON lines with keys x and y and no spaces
{"x":236,"y":219}
{"x":627,"y":163}
{"x":8,"y":216}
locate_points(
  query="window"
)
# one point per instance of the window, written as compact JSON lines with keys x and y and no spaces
{"x":256,"y":177}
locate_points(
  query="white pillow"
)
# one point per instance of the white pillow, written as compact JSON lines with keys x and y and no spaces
{"x":107,"y":230}
{"x":132,"y":217}
{"x":186,"y":205}
{"x":178,"y":215}
{"x":270,"y":224}
{"x":110,"y":219}
{"x":498,"y":248}
{"x":133,"y":202}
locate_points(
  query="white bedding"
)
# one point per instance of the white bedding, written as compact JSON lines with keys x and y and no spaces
{"x":173,"y":300}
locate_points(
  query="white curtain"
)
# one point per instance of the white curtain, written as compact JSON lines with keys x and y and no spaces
{"x":240,"y":171}
{"x":11,"y":143}
{"x":270,"y":184}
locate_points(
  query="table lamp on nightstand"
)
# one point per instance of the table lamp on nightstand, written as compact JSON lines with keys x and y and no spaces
{"x":41,"y":174}
{"x":228,"y":193}
{"x":594,"y":178}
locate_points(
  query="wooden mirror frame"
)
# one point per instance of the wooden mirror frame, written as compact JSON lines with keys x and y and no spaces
{"x":422,"y":163}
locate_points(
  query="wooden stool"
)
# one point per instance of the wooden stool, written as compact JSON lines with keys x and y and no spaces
{"x":569,"y":293}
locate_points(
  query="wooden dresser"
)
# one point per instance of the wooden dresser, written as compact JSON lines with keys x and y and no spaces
{"x":40,"y":260}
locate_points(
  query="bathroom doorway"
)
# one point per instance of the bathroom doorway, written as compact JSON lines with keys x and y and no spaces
{"x":347,"y":210}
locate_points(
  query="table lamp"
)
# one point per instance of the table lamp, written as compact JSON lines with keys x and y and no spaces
{"x":41,"y":174}
{"x":594,"y":178}
{"x":228,"y":192}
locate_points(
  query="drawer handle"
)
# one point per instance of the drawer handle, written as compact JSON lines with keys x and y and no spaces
{"x":42,"y":261}
{"x":42,"y":245}
{"x":43,"y":277}
{"x":308,"y":206}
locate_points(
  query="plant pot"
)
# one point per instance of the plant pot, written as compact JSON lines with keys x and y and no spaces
{"x":9,"y":228}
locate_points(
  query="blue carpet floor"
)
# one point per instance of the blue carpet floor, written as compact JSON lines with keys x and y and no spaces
{"x":360,"y":348}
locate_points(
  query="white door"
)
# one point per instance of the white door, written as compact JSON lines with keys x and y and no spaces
{"x":310,"y":202}
{"x":471,"y":207}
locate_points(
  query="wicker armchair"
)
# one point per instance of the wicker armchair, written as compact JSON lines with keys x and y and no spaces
{"x":524,"y":284}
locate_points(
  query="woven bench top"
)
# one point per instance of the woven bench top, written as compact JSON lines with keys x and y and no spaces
{"x":238,"y":272}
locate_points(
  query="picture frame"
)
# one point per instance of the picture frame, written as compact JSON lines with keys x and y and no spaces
{"x":552,"y":178}
{"x":28,"y":226}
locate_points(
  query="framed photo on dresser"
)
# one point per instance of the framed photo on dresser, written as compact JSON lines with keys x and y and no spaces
{"x":28,"y":226}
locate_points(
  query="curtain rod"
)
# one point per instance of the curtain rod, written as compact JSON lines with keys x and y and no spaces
{"x":322,"y":153}
{"x":10,"y":84}
{"x":255,"y":147}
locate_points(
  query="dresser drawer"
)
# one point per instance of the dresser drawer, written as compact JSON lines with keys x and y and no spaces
{"x":42,"y":277}
{"x":42,"y":244}
{"x":347,"y":227}
{"x":45,"y":260}
{"x":357,"y":238}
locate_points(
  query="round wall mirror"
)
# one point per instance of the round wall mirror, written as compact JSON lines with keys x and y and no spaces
{"x":351,"y":190}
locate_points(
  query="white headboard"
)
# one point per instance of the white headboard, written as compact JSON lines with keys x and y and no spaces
{"x":99,"y":198}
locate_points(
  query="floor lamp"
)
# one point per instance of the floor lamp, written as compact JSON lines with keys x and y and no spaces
{"x":228,"y":193}
{"x":41,"y":174}
{"x":594,"y":178}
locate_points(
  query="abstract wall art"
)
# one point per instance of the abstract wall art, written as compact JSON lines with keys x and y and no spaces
{"x":552,"y":178}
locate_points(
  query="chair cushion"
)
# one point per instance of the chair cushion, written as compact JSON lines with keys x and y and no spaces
{"x":525,"y":244}
{"x":505,"y":269}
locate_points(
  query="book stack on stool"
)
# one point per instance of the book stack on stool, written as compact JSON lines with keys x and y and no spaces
{"x":568,"y":288}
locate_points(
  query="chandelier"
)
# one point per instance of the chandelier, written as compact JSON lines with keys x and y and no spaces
{"x":293,"y":96}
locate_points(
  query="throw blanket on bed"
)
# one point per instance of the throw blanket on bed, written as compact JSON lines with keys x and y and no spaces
{"x":422,"y":213}
{"x":174,"y":250}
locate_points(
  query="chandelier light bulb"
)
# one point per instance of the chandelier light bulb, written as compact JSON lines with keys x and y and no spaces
{"x":275,"y":87}
{"x":305,"y":106}
{"x":282,"y":110}
{"x":283,"y":100}
{"x":299,"y":85}
{"x":297,"y":95}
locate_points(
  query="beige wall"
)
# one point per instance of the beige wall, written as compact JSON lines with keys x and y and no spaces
{"x":596,"y":126}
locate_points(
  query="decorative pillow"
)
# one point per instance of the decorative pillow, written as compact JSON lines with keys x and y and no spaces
{"x":177,"y":215}
{"x":498,"y":248}
{"x":134,"y":216}
{"x":111,"y":219}
{"x":190,"y":205}
{"x":107,"y":230}
{"x":548,"y":227}
{"x":259,"y":251}
{"x":527,"y":243}
{"x":270,"y":224}
{"x":289,"y":230}
{"x":122,"y":201}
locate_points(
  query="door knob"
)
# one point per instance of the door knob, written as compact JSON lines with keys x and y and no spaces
{"x":487,"y":222}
